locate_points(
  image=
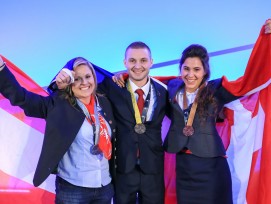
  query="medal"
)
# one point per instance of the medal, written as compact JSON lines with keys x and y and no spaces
{"x":140,"y":118}
{"x":188,"y":131}
{"x":140,"y":128}
{"x":95,"y":150}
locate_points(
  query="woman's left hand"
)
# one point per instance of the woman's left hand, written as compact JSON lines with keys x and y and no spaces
{"x":267,"y":26}
{"x":119,"y":80}
{"x":1,"y":61}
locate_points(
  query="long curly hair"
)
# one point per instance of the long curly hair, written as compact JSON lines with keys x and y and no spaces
{"x":205,"y":95}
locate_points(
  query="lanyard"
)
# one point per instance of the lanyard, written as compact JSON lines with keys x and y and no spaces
{"x":194,"y":106}
{"x":192,"y":111}
{"x":142,"y":118}
{"x":95,"y":125}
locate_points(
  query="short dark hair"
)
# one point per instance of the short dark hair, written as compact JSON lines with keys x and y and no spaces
{"x":138,"y":45}
{"x":199,"y":51}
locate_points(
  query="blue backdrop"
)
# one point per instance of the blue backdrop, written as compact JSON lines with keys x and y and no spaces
{"x":41,"y":36}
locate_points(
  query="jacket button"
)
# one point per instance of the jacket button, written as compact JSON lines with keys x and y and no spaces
{"x":104,"y":114}
{"x":114,"y":130}
{"x":110,"y":121}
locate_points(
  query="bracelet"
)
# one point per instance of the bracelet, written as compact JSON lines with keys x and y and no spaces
{"x":2,"y":66}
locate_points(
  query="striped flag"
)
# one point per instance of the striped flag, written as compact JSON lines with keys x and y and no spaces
{"x":245,"y":133}
{"x":249,"y":148}
{"x":21,"y":139}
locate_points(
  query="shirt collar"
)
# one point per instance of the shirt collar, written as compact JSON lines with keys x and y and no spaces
{"x":145,"y":88}
{"x":188,"y":93}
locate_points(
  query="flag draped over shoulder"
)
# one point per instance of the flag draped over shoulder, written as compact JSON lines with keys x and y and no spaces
{"x":21,"y":139}
{"x":244,"y":132}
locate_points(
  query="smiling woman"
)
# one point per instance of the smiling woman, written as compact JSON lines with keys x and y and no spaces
{"x":202,"y":171}
{"x":77,"y":141}
{"x":200,"y":102}
{"x":193,"y":72}
{"x":85,"y":81}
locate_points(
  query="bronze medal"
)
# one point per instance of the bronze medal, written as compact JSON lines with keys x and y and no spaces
{"x":95,"y":150}
{"x":188,"y":131}
{"x":140,"y":128}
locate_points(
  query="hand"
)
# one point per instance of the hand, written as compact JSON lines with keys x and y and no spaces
{"x":119,"y":80}
{"x":63,"y":79}
{"x":267,"y":26}
{"x":1,"y":61}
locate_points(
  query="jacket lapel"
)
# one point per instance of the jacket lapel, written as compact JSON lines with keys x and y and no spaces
{"x":159,"y":97}
{"x":127,"y":98}
{"x":174,"y":89}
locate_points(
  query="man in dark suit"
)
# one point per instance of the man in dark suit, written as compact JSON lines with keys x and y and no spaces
{"x":139,"y":115}
{"x":139,"y":151}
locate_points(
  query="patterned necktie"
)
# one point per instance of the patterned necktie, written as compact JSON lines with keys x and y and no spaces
{"x":140,"y":100}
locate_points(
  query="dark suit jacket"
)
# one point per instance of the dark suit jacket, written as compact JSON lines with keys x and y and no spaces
{"x":205,"y":142}
{"x":149,"y":143}
{"x":63,"y":121}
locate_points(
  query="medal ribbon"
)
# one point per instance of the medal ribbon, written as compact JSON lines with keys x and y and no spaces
{"x":95,"y":125}
{"x":194,"y":106}
{"x":102,"y":137}
{"x":139,"y":119}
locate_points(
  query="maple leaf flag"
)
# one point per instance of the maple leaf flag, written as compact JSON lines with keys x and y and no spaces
{"x":245,"y":132}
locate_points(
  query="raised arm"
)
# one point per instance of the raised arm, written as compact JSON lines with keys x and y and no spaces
{"x":257,"y":75}
{"x":33,"y":104}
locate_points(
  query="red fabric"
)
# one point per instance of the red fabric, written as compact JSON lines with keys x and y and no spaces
{"x":20,"y":192}
{"x":29,"y":84}
{"x":14,"y":189}
{"x":163,"y":79}
{"x":140,"y":100}
{"x":104,"y":140}
{"x":259,"y":186}
{"x":258,"y":69}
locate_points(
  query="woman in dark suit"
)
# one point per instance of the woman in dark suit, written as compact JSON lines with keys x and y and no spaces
{"x":79,"y":128}
{"x":202,"y":171}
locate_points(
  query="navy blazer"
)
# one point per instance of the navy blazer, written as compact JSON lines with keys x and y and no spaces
{"x":205,"y":142}
{"x":63,"y":121}
{"x":150,"y":143}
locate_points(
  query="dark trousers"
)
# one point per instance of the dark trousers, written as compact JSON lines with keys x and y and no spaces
{"x":138,"y":187}
{"x":67,"y":193}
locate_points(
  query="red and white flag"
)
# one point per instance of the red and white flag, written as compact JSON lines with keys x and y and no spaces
{"x":249,"y":122}
{"x":245,"y":132}
{"x":21,"y":140}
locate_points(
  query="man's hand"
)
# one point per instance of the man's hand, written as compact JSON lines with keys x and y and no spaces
{"x":63,"y":79}
{"x":267,"y":26}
